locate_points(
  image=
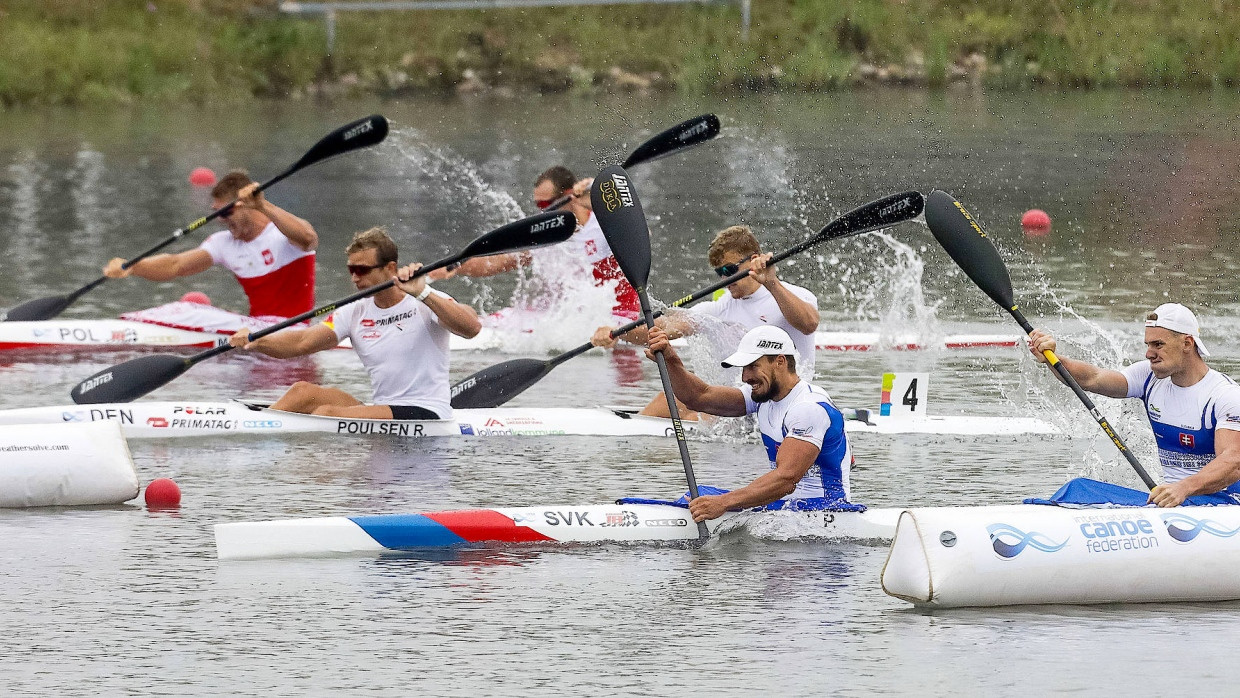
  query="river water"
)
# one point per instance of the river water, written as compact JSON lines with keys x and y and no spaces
{"x":123,"y":600}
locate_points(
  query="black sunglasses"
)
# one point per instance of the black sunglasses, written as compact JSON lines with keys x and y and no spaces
{"x":362,"y":269}
{"x":728,"y":269}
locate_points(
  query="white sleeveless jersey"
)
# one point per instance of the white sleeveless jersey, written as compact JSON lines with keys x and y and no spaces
{"x":760,"y":308}
{"x":277,"y":276}
{"x":807,"y":413}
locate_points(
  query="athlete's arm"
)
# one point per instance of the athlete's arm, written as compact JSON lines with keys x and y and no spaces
{"x":492,"y":265}
{"x":799,"y":313}
{"x":162,"y":267}
{"x":297,"y":230}
{"x":456,"y":317}
{"x":1102,"y":381}
{"x":793,"y":460}
{"x":1218,"y":474}
{"x":694,"y":392}
{"x":675,"y":325}
{"x":287,"y":343}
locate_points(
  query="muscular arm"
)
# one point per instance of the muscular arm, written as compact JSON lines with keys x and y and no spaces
{"x":164,"y":267}
{"x":288,"y":343}
{"x":798,"y":312}
{"x":494,"y":264}
{"x":298,"y":230}
{"x":457,"y":318}
{"x":694,"y":392}
{"x":1101,"y":381}
{"x":794,"y":458}
{"x":1218,"y":474}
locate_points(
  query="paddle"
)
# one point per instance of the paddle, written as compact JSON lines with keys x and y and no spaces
{"x":685,"y":134}
{"x":624,"y":225}
{"x":495,"y":385}
{"x":965,"y":241}
{"x":359,"y":134}
{"x":133,"y":379}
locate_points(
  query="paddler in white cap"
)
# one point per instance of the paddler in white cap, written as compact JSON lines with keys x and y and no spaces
{"x":1193,"y":409}
{"x":802,"y":429}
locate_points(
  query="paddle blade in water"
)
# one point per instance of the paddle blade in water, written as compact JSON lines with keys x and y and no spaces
{"x":130,"y":380}
{"x":495,"y":385}
{"x":38,"y":309}
{"x":876,"y":215}
{"x":620,"y":216}
{"x":686,"y":134}
{"x":965,"y":241}
{"x":540,"y":229}
{"x":362,"y":133}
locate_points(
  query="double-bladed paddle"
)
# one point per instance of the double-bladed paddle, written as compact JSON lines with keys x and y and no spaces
{"x":620,"y":215}
{"x":965,"y":241}
{"x":133,"y":379}
{"x":359,"y":134}
{"x":685,"y":134}
{"x":495,"y":385}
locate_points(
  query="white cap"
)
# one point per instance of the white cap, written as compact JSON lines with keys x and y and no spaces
{"x":765,"y":340}
{"x":1177,"y":318}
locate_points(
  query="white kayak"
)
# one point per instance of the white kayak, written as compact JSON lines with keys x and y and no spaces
{"x":1032,"y":554}
{"x":548,"y":525}
{"x":97,"y":335}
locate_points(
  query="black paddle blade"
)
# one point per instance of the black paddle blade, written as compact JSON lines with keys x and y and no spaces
{"x":362,"y":133}
{"x":38,"y":309}
{"x":965,"y":241}
{"x":130,"y":380}
{"x":624,"y":225}
{"x":540,"y":229}
{"x":495,"y":385}
{"x":876,"y":215}
{"x":686,"y":134}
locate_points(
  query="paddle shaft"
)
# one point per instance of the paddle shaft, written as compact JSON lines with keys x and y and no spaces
{"x":681,"y":442}
{"x":1066,"y":376}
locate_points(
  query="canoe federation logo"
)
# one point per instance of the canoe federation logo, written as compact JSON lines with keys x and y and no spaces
{"x":1009,"y":541}
{"x":616,"y":192}
{"x":1185,"y":528}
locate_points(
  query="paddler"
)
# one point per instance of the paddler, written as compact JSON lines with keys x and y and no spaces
{"x":802,"y":429}
{"x":552,"y":186}
{"x":1193,"y":409}
{"x":268,"y":249}
{"x":758,"y":300}
{"x":400,"y":334}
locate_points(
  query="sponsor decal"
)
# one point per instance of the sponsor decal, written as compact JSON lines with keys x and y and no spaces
{"x":365,"y":127}
{"x":463,"y":386}
{"x":128,"y":336}
{"x":972,"y":223}
{"x":268,"y":258}
{"x":391,"y":319}
{"x":157,"y":422}
{"x":523,"y":519}
{"x":607,"y":192}
{"x":616,"y":192}
{"x":801,"y":431}
{"x":621,"y":518}
{"x":1185,"y":528}
{"x":77,"y":416}
{"x":567,"y":518}
{"x":770,"y":344}
{"x":1009,"y":541}
{"x":367,"y":322}
{"x":209,"y":423}
{"x":1186,"y":440}
{"x":96,"y":382}
{"x":371,"y":335}
{"x":1108,"y":533}
{"x":666,"y":523}
{"x":695,"y":130}
{"x":1233,"y":418}
{"x":556,"y":222}
{"x":896,"y":207}
{"x":493,"y":422}
{"x":218,"y":409}
{"x":262,"y":424}
{"x":467,"y":429}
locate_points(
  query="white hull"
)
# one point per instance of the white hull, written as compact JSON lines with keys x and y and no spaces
{"x":550,"y":525}
{"x":95,"y":335}
{"x":146,"y":420}
{"x":1030,"y":554}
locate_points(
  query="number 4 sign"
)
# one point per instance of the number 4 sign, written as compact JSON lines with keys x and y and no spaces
{"x":910,"y":391}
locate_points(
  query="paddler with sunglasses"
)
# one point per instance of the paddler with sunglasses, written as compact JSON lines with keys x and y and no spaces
{"x":268,"y":249}
{"x":400,"y":334}
{"x":558,"y":187}
{"x":757,"y":300}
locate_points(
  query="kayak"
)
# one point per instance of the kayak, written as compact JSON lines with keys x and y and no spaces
{"x":121,"y":334}
{"x":549,"y":525}
{"x":1031,"y":554}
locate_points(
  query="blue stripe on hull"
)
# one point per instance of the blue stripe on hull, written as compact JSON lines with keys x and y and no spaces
{"x":407,"y":531}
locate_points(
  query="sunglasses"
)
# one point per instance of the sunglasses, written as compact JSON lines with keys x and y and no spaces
{"x":728,"y":270}
{"x":362,"y":269}
{"x":228,"y":214}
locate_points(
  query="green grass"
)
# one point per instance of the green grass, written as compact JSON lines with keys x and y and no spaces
{"x":78,"y":52}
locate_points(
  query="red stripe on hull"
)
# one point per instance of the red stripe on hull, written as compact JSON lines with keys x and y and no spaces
{"x":477,"y":525}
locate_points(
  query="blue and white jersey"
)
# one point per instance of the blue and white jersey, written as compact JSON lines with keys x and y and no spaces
{"x":1184,"y":419}
{"x":807,"y":413}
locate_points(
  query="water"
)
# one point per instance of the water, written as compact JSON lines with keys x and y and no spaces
{"x":122,"y":600}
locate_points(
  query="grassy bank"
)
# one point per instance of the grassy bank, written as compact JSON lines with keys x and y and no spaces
{"x":108,"y":51}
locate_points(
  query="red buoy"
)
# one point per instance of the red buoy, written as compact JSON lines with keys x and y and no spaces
{"x":1035,"y":222}
{"x":162,"y":493}
{"x":202,"y":177}
{"x":196,"y":297}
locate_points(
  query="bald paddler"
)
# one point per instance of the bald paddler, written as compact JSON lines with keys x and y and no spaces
{"x":802,"y":429}
{"x":1193,"y":409}
{"x":400,"y":334}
